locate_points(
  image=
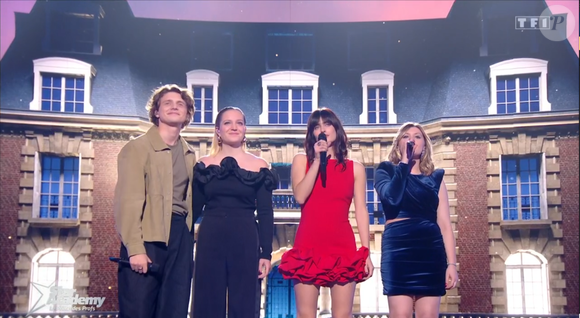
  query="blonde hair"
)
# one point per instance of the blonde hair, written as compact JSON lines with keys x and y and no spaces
{"x":159,"y":92}
{"x":216,"y":145}
{"x":425,"y":162}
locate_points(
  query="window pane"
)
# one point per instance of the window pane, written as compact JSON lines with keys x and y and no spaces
{"x":69,"y":107}
{"x":501,"y":108}
{"x":272,"y":118}
{"x":296,"y":94}
{"x":511,"y":83}
{"x":296,"y":118}
{"x":296,"y":106}
{"x":273,"y":94}
{"x":283,"y":94}
{"x":382,"y":117}
{"x":45,"y":105}
{"x":69,"y":82}
{"x":500,"y":84}
{"x":383,"y":105}
{"x":197,"y":117}
{"x":524,"y":107}
{"x":272,"y":106}
{"x":501,"y":97}
{"x":208,"y":117}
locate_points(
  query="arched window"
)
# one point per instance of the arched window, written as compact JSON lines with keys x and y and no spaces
{"x":527,"y":283}
{"x":50,"y":268}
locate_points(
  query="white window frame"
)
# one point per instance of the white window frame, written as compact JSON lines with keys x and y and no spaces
{"x":545,"y":279}
{"x":376,"y":78}
{"x":65,"y":67}
{"x":371,"y":290}
{"x":515,"y":67}
{"x":376,"y":199}
{"x":543,"y":189}
{"x":202,"y":77}
{"x":37,"y":190}
{"x":34,"y":277}
{"x":287,"y":79}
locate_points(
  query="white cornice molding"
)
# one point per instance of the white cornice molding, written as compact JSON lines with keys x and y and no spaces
{"x":439,"y":127}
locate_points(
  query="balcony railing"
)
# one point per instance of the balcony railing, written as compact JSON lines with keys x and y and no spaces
{"x":355,"y":315}
{"x":283,"y":200}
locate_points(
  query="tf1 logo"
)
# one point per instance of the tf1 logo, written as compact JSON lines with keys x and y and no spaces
{"x":542,"y":22}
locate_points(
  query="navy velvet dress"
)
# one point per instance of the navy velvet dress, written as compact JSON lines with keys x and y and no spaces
{"x":413,"y":260}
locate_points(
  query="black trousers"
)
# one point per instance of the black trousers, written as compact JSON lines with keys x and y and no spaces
{"x":226,"y":262}
{"x":164,"y":294}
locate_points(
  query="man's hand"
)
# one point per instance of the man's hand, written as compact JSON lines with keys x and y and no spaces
{"x":140,"y":263}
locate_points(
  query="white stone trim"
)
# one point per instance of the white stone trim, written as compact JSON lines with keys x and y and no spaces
{"x":64,"y":66}
{"x":378,"y":78}
{"x":202,"y":77}
{"x":287,"y":79}
{"x":515,"y":67}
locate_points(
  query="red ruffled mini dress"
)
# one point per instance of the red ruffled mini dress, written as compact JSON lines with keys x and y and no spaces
{"x":324,"y":251}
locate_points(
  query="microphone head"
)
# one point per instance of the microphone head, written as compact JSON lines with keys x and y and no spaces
{"x":321,"y":136}
{"x":153,"y":267}
{"x":411,"y":143}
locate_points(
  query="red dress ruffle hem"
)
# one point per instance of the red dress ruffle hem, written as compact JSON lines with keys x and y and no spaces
{"x":323,"y":270}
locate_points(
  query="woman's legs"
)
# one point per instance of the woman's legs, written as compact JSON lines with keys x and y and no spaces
{"x":342,"y":299}
{"x":306,"y":300}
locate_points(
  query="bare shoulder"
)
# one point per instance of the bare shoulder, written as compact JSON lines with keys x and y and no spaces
{"x":358,"y":167}
{"x":207,"y":159}
{"x":299,"y":158}
{"x":257,"y":162}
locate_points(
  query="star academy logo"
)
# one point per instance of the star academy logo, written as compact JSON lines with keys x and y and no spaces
{"x":62,"y":299}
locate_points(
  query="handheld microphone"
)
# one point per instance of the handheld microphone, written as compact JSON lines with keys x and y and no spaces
{"x":410,"y":145}
{"x":323,"y":161}
{"x":153,"y":268}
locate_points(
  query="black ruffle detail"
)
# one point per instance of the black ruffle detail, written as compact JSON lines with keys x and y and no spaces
{"x":229,"y":166}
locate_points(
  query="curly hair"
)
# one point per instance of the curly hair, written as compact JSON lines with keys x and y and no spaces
{"x":158,"y":93}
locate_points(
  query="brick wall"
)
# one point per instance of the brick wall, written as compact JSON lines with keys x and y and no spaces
{"x":472,"y":226}
{"x":569,"y":187}
{"x":105,"y":241}
{"x":10,"y":161}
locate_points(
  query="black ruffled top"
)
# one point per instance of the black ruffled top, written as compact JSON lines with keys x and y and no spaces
{"x":228,"y":189}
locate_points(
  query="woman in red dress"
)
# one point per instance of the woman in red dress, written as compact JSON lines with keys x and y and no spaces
{"x":325,"y":252}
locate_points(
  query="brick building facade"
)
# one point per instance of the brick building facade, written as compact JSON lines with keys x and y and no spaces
{"x":463,"y":97}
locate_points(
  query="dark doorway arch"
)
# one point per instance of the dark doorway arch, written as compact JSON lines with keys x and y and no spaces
{"x":280,"y":301}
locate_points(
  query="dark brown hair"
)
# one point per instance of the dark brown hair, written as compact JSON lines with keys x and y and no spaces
{"x":325,"y":115}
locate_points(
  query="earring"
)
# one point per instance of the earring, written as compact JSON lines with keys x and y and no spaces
{"x":244,"y":140}
{"x":219,"y":139}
